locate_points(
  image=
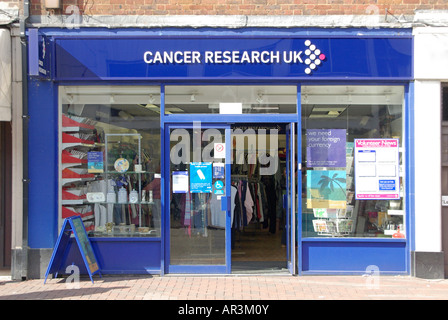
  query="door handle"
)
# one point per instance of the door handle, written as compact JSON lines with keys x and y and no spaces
{"x":223,"y":203}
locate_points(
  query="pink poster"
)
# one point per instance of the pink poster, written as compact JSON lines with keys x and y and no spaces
{"x":377,"y":169}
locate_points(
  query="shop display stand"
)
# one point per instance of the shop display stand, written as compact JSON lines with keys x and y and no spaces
{"x":77,"y":139}
{"x":339,"y":222}
{"x":108,"y":136}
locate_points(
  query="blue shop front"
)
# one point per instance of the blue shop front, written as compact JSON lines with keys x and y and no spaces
{"x":218,"y":151}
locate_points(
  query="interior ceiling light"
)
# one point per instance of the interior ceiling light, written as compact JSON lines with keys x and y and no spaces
{"x":327,"y":109}
{"x":266,"y":108}
{"x":173,"y":109}
{"x":150,"y":106}
{"x":124,"y":115}
{"x":192,"y":97}
{"x":333,"y":113}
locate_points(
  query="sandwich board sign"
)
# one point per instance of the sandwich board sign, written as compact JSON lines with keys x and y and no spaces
{"x":73,"y":225}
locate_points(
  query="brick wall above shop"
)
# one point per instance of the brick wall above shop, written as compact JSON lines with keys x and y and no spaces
{"x":241,"y":7}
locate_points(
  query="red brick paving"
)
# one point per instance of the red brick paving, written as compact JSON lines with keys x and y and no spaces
{"x":228,"y":288}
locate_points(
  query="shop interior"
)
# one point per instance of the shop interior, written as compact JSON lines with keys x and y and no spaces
{"x":258,"y":228}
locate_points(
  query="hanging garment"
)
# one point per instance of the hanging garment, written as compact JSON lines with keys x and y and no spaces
{"x":248,"y":204}
{"x":218,"y":217}
{"x":238,"y":210}
{"x":243,"y":206}
{"x":260,"y":205}
{"x":233,"y":191}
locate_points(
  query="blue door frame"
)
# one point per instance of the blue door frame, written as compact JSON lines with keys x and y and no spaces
{"x":225,"y":202}
{"x":292,"y":207}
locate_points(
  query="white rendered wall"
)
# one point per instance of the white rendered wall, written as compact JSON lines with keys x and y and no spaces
{"x":427,"y":167}
{"x":430,"y":68}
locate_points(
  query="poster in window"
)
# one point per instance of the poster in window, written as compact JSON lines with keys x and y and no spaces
{"x":377,"y":169}
{"x":201,"y":177}
{"x":95,"y":162}
{"x":326,"y":189}
{"x":180,"y":181}
{"x":326,"y":148}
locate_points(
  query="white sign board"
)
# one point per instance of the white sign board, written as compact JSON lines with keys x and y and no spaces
{"x":180,"y":181}
{"x":444,"y":201}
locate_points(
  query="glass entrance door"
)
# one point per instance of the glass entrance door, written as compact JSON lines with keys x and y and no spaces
{"x":198,"y":189}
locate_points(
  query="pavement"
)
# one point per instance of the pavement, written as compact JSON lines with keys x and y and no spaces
{"x":226,"y":288}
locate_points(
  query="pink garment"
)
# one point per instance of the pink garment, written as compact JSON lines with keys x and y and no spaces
{"x":248,"y":203}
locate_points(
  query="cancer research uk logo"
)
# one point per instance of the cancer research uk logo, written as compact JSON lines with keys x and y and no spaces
{"x":314,"y":57}
{"x":311,"y":57}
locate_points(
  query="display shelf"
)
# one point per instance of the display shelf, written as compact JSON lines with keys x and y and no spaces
{"x":76,"y":173}
{"x":83,"y":211}
{"x":73,"y":194}
{"x":76,"y":138}
{"x":67,"y":181}
{"x":74,"y":124}
{"x":124,"y":203}
{"x":136,"y":234}
{"x":70,"y":158}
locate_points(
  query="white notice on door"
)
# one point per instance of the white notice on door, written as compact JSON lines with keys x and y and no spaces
{"x":220,"y":150}
{"x":180,"y":181}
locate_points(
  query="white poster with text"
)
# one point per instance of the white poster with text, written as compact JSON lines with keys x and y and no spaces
{"x":377,"y":167}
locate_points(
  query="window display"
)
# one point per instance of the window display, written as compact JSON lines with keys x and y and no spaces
{"x":110,"y":159}
{"x":352,"y":151}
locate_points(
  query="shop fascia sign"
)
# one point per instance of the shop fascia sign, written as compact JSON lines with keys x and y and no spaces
{"x":311,"y":57}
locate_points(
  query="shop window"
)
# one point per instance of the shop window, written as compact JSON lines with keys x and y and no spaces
{"x":353,"y":161}
{"x":230,"y":99}
{"x":110,"y":159}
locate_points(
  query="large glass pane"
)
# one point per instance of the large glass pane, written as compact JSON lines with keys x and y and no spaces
{"x":353,"y":161}
{"x":230,"y":99}
{"x":110,"y":159}
{"x":197,"y":223}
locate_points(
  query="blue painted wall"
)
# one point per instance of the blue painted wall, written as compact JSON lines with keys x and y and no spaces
{"x":353,"y":256}
{"x":43,"y":164}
